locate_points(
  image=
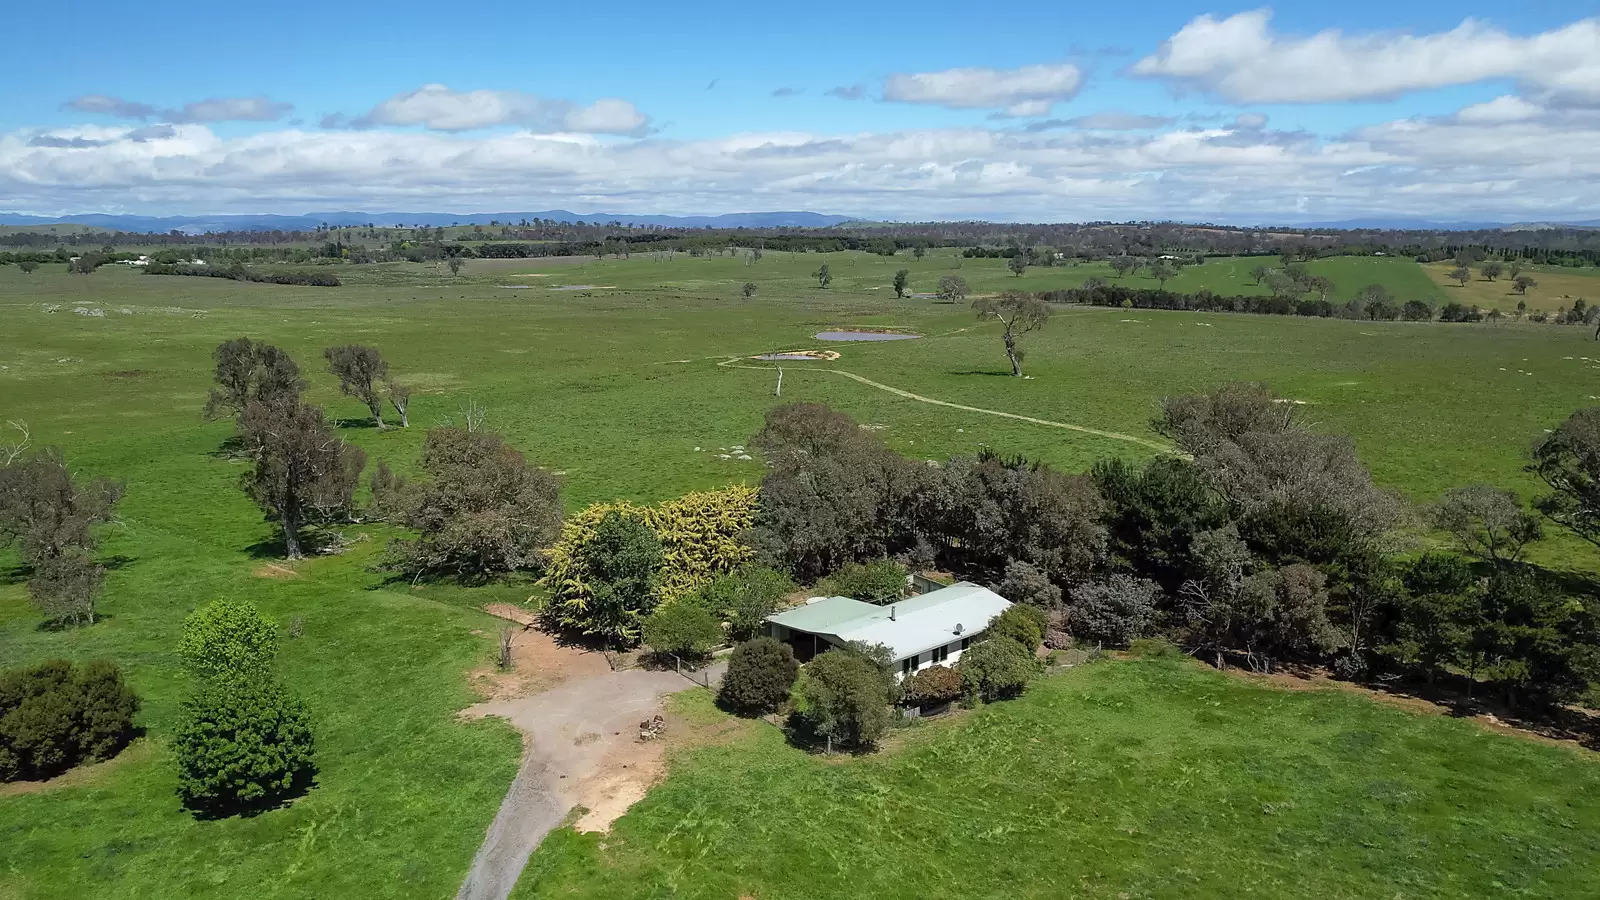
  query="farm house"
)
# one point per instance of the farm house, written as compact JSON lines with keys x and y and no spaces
{"x":926,"y":630}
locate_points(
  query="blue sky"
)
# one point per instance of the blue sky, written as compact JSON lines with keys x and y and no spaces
{"x":1245,"y":113}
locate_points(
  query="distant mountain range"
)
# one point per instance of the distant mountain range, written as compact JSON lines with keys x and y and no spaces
{"x":309,"y":221}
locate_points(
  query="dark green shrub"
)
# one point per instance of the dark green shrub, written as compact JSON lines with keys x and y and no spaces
{"x":55,"y":715}
{"x":996,"y":669}
{"x":242,"y":746}
{"x":879,"y":581}
{"x":684,"y":628}
{"x":931,"y":687}
{"x":760,"y":675}
{"x":1022,"y":624}
{"x":843,"y":697}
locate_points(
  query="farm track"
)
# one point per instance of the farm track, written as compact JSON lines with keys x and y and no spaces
{"x":735,"y":363}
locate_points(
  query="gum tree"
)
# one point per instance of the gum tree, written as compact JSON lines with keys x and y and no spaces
{"x":1019,"y":313}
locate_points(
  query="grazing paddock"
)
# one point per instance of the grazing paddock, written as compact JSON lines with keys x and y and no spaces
{"x":1145,"y":778}
{"x":623,"y":390}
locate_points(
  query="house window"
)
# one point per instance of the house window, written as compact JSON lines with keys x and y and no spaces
{"x":965,"y":643}
{"x":906,"y":665}
{"x":940,"y":654}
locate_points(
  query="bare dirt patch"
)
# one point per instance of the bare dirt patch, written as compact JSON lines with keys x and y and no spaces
{"x":274,"y":570}
{"x":799,"y":355}
{"x":538,"y":661}
{"x":620,"y":780}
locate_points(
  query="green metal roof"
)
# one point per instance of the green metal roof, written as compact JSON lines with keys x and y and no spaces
{"x":825,"y":615}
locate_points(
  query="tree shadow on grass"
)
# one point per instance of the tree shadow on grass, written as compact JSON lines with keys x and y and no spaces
{"x":998,"y":372}
{"x":232,"y":447}
{"x":1449,"y":693}
{"x":312,"y":543}
{"x":16,"y":574}
{"x":59,"y":626}
{"x":300,"y":784}
{"x":356,"y":423}
{"x":799,"y":734}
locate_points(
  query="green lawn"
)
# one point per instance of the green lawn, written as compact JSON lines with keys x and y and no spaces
{"x":1147,"y":779}
{"x":615,"y":388}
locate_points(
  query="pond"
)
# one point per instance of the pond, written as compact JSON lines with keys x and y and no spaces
{"x":865,"y":336}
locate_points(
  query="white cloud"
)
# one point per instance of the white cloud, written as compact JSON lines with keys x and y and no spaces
{"x":1470,"y":165}
{"x":211,"y":109}
{"x":1241,"y":60}
{"x":1025,"y":92}
{"x":437,"y":107}
{"x":1500,"y":110}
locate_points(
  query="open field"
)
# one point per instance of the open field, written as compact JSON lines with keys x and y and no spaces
{"x":1557,"y":288}
{"x":1150,"y":778}
{"x":616,"y":388}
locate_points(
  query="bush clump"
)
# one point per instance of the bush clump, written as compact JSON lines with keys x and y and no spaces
{"x":880,"y":581}
{"x":996,"y":669}
{"x":1021,"y":624}
{"x":228,"y":639}
{"x":243,"y":746}
{"x":760,"y":674}
{"x":55,"y":715}
{"x":933,"y":686}
{"x":745,"y":597}
{"x":1117,"y":611}
{"x":1027,"y":583}
{"x":843,"y":697}
{"x":685,"y":628}
{"x":696,"y":538}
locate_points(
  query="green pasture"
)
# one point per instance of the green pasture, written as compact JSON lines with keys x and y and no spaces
{"x":617,"y":388}
{"x":1149,"y":778}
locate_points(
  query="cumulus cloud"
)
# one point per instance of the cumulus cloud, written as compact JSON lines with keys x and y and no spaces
{"x":211,"y":109}
{"x":848,"y":91}
{"x":1467,"y":165}
{"x":1104,"y":121}
{"x":439,"y":108}
{"x":1500,"y":110}
{"x":1025,"y":92}
{"x":1242,"y":60}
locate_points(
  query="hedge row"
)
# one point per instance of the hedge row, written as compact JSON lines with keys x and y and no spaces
{"x":240,"y":273}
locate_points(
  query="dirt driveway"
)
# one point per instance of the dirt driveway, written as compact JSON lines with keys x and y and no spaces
{"x":582,"y":748}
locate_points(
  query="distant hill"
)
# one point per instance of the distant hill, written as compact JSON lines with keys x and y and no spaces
{"x":309,"y":221}
{"x":1409,"y":223}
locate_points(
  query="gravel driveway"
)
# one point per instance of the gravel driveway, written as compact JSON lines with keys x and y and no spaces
{"x":571,"y":729}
